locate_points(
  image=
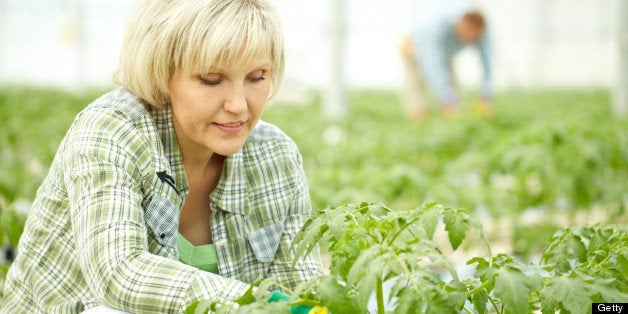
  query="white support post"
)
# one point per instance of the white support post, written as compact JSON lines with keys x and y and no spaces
{"x":81,"y":42}
{"x":335,"y":97}
{"x":544,"y":39}
{"x":3,"y":34}
{"x":620,"y":106}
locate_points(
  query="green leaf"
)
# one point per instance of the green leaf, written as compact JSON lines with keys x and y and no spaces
{"x":263,"y":308}
{"x":606,"y":290}
{"x":429,"y":220}
{"x":511,"y":287}
{"x":479,"y":298}
{"x":457,"y":225}
{"x":622,"y":264}
{"x":564,"y":246}
{"x":443,"y":301}
{"x":206,"y":306}
{"x":191,"y":309}
{"x":248,"y":296}
{"x":482,"y":263}
{"x":13,"y":225}
{"x":549,"y":305}
{"x":308,"y":237}
{"x":343,"y":255}
{"x":267,"y":284}
{"x":483,"y":271}
{"x":408,"y":302}
{"x":370,"y":266}
{"x":570,"y":292}
{"x":479,"y":301}
{"x":338,"y":298}
{"x":363,"y":265}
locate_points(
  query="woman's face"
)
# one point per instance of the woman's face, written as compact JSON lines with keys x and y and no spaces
{"x":215,"y":112}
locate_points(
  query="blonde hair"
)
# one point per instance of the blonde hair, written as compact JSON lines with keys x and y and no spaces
{"x":165,"y":35}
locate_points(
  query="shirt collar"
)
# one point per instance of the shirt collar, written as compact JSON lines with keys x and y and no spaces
{"x":230,"y":194}
{"x":163,"y":121}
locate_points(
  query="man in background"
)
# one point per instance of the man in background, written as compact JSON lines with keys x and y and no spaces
{"x":428,"y":59}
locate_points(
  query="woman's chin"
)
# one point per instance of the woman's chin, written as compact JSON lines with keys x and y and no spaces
{"x":227,"y":150}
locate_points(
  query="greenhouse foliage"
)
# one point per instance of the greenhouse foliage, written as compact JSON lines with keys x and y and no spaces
{"x":559,"y":157}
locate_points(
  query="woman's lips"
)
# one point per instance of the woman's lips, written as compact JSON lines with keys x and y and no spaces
{"x":230,"y":127}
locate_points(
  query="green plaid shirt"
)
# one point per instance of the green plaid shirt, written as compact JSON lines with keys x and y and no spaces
{"x":103,"y":227}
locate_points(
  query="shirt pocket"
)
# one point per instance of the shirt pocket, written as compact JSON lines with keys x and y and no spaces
{"x":265,"y":242}
{"x":161,"y":217}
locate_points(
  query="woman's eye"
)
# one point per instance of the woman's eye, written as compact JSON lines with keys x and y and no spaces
{"x":211,"y":79}
{"x":210,"y":82}
{"x":257,"y":79}
{"x":257,"y":76}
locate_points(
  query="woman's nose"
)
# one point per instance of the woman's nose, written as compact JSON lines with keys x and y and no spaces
{"x":236,"y":102}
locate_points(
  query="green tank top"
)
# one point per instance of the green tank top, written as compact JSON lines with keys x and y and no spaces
{"x":202,"y":257}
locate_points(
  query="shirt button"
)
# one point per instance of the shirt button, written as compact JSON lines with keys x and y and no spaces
{"x":163,"y":235}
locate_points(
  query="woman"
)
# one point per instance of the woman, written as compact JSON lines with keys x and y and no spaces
{"x":172,"y":163}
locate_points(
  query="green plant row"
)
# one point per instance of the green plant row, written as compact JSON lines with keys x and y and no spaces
{"x":559,"y":151}
{"x":33,"y":123}
{"x":370,"y":244}
{"x":11,"y":227}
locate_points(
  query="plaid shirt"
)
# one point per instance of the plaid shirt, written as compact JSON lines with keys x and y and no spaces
{"x":103,"y":227}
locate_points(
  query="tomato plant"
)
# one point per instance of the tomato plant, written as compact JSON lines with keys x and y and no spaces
{"x":370,"y":244}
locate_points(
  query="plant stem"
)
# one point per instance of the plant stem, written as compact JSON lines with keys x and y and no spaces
{"x":283,"y":288}
{"x":495,"y":305}
{"x":379,"y":294}
{"x":478,"y":288}
{"x":408,"y":225}
{"x":305,"y":302}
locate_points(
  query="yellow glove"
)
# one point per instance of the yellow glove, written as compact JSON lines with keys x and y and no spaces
{"x":406,"y":48}
{"x":297,"y":309}
{"x":318,"y":310}
{"x":481,"y":108}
